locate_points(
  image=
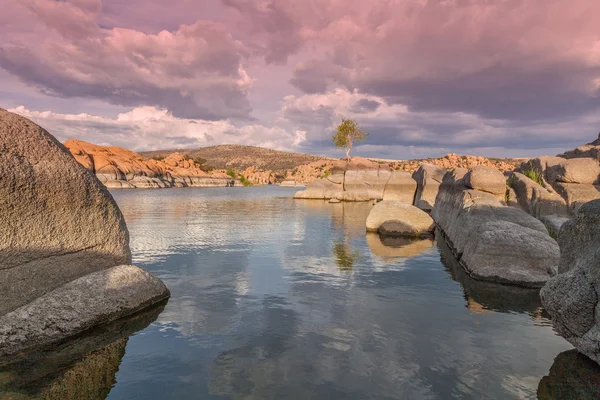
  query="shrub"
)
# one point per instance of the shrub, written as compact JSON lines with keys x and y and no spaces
{"x":245,"y":181}
{"x":231,"y":173}
{"x":533,"y":174}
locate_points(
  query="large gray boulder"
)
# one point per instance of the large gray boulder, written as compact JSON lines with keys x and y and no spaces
{"x":61,"y":235}
{"x":486,"y":179}
{"x":535,"y":199}
{"x":400,"y":187}
{"x":571,"y":297}
{"x":77,"y":306}
{"x":410,"y":220}
{"x":429,"y":178}
{"x":57,"y":221}
{"x":492,"y":241}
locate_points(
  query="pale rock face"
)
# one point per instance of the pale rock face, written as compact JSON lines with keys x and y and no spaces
{"x":79,"y":305}
{"x":576,"y":180}
{"x":576,"y":170}
{"x":577,"y":194}
{"x":400,"y":187}
{"x":373,"y":181}
{"x":412,"y":221}
{"x":493,"y":242}
{"x":571,"y":297}
{"x":57,"y":221}
{"x":428,"y":178}
{"x":535,"y":199}
{"x":486,"y":179}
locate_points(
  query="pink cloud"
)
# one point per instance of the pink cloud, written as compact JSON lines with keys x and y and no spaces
{"x":196,"y":71}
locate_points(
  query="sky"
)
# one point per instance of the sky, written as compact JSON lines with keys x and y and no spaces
{"x":499,"y":78}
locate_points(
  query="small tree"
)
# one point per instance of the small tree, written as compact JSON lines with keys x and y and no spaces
{"x":348,"y":133}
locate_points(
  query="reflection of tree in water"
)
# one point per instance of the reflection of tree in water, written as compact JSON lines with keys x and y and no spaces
{"x":344,"y":256}
{"x":572,"y":376}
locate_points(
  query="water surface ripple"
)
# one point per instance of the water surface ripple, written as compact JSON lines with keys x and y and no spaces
{"x":275,"y":298}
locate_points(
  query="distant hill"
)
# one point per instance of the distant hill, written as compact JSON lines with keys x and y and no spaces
{"x":241,"y":157}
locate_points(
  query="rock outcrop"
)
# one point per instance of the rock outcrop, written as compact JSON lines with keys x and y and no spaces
{"x":119,"y":168}
{"x":400,"y":187}
{"x":364,"y":180}
{"x":590,"y":150}
{"x":492,"y":241}
{"x":571,"y":297}
{"x":429,"y":178}
{"x":576,"y":180}
{"x":486,"y":179}
{"x":535,"y":199}
{"x":359,"y":180}
{"x":394,"y":218}
{"x":61,"y":229}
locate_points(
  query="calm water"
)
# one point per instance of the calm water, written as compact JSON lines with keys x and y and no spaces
{"x":275,"y":298}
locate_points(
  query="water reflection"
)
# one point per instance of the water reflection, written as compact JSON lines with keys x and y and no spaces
{"x":273,"y":301}
{"x":389,"y":249}
{"x":81,"y":368}
{"x":484,"y":296}
{"x":572,"y":376}
{"x":344,"y":256}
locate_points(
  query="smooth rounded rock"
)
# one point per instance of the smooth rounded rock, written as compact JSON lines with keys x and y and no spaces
{"x":397,"y":228}
{"x":415,"y":220}
{"x":57,"y":221}
{"x":486,"y":179}
{"x":77,"y":306}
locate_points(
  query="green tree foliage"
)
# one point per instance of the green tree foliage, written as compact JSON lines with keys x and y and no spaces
{"x":348,"y":133}
{"x":231,"y":173}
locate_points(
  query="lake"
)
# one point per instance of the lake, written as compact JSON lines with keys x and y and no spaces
{"x":275,"y":298}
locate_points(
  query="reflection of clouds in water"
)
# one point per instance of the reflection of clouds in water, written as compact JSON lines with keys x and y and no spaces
{"x":258,"y":293}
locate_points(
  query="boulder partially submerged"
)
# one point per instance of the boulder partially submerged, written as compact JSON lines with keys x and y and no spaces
{"x":400,"y":219}
{"x":572,"y":296}
{"x":492,"y":241}
{"x":59,"y":226}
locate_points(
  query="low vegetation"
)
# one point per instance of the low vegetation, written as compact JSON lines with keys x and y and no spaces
{"x":532,"y":173}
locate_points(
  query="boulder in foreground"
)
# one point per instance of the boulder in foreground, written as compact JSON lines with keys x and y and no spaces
{"x":57,"y":221}
{"x":571,"y":297}
{"x":63,"y":245}
{"x":77,"y":306}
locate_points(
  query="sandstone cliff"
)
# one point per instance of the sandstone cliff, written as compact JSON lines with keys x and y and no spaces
{"x":121,"y":168}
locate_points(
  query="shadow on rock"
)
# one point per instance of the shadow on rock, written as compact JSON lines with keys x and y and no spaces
{"x":484,"y":296}
{"x":79,"y":368}
{"x":572,"y":376}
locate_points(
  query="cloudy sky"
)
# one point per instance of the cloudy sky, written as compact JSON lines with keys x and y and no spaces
{"x":424,"y":77}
